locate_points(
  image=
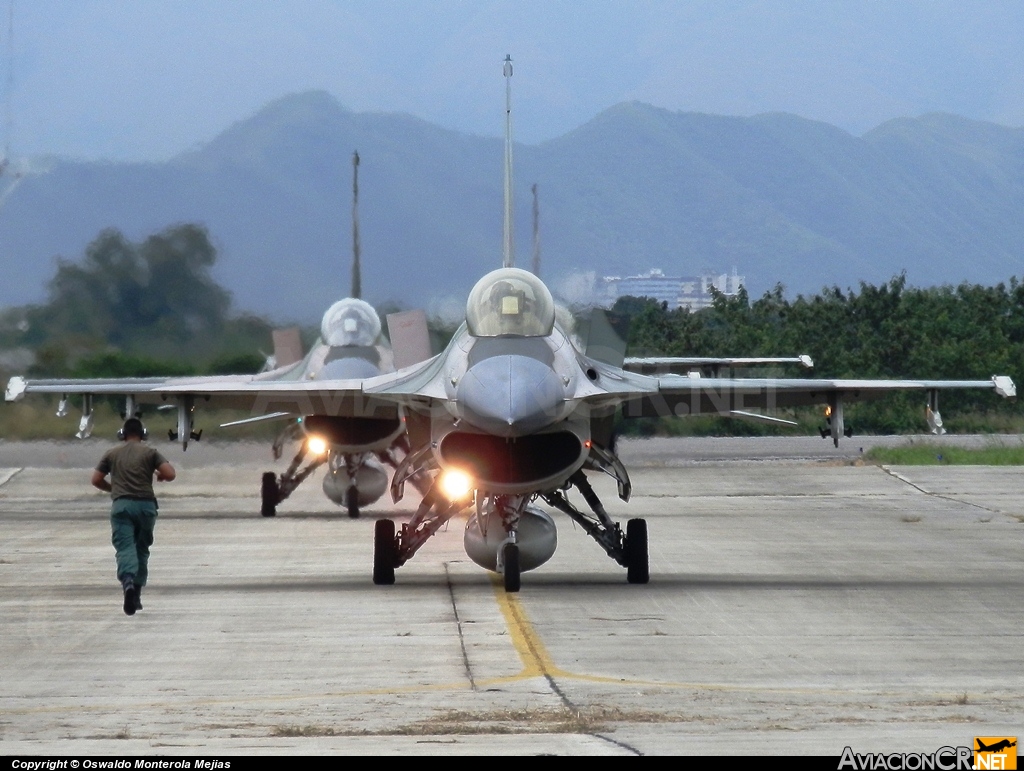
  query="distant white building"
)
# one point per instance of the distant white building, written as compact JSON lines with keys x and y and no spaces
{"x":693,"y":292}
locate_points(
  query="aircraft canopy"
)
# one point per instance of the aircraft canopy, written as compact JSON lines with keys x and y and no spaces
{"x":350,"y":322}
{"x":510,"y":301}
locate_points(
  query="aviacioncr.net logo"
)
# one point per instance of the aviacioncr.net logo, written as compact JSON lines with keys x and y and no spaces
{"x":943,"y":759}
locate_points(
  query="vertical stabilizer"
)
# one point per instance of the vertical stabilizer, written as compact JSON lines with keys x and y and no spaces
{"x":509,"y":245}
{"x":357,"y":276}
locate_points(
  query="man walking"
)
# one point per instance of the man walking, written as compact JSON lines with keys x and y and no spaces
{"x":133,"y":512}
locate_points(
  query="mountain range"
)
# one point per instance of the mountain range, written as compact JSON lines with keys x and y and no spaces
{"x":782,"y":199}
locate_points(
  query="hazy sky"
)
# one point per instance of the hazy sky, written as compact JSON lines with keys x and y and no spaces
{"x":146,"y":79}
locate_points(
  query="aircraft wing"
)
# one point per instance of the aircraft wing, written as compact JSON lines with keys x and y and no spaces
{"x":242,"y":392}
{"x":680,"y":396}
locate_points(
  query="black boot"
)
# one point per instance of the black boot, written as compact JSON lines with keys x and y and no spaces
{"x":138,"y":598}
{"x":131,"y":597}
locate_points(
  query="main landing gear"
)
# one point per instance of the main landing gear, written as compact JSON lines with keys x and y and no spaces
{"x":391,"y":550}
{"x":629,"y":549}
{"x":273,"y":490}
{"x":351,"y":466}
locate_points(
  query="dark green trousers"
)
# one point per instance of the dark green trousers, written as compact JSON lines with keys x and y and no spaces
{"x":131,"y":532}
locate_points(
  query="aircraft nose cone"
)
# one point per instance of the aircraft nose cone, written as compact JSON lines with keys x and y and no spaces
{"x":510,"y":395}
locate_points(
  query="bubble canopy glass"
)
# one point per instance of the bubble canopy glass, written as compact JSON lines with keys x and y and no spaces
{"x":350,"y":322}
{"x":510,"y":301}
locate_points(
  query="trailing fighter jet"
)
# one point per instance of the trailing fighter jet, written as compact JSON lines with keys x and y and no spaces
{"x":350,"y":347}
{"x":515,"y":412}
{"x":356,"y":450}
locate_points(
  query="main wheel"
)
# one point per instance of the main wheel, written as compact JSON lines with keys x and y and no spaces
{"x":352,"y":502}
{"x":510,"y":560}
{"x":269,"y":493}
{"x":385,"y":552}
{"x":637,"y":560}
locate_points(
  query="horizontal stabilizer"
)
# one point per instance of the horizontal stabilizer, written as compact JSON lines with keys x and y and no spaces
{"x":287,"y":347}
{"x":410,"y":338}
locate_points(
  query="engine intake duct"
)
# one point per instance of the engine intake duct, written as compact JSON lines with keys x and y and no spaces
{"x":496,"y":460}
{"x":342,"y":430}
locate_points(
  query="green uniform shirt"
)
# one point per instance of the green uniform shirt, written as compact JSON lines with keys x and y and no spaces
{"x":131,"y":467}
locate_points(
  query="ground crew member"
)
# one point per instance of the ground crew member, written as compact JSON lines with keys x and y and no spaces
{"x":133,"y":512}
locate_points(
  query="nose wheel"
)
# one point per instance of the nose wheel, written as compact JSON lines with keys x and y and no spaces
{"x":352,"y":502}
{"x":511,"y":571}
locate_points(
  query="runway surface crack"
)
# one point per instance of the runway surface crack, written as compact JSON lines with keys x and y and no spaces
{"x":458,"y":626}
{"x":543,"y":665}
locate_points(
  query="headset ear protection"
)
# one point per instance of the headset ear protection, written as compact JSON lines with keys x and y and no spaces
{"x":122,"y":434}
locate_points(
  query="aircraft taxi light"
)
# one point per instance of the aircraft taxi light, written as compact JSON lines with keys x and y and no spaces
{"x":316,"y":445}
{"x":456,"y":485}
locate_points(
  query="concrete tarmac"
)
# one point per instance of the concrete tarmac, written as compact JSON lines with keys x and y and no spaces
{"x":800,"y":602}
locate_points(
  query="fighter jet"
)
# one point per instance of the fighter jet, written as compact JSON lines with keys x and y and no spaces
{"x":516,"y":412}
{"x":356,"y":451}
{"x":350,"y":347}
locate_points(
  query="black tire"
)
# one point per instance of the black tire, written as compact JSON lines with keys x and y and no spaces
{"x":638,"y":569}
{"x":511,"y":563}
{"x":352,"y":502}
{"x":270,"y":494}
{"x":385,"y":552}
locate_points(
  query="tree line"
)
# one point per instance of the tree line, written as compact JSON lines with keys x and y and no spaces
{"x":967,"y":332}
{"x":153,"y":308}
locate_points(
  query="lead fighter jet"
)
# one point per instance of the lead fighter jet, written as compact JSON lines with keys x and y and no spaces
{"x":515,"y":412}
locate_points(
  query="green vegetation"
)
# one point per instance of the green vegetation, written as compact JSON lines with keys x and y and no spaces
{"x":132,"y":310}
{"x":967,"y":332}
{"x":137,"y":309}
{"x":935,"y":454}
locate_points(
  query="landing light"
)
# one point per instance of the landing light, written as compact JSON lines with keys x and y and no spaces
{"x":456,"y":484}
{"x":316,"y":445}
